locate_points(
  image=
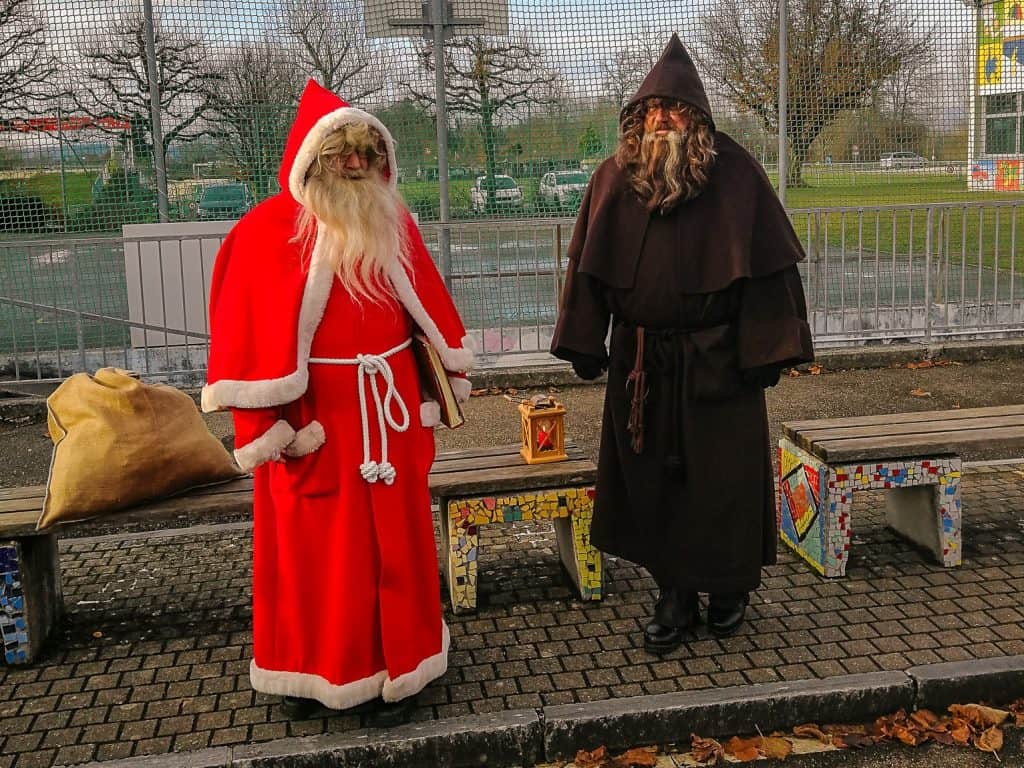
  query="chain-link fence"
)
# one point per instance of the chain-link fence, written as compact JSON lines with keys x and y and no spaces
{"x":888,"y":100}
{"x":124,"y":112}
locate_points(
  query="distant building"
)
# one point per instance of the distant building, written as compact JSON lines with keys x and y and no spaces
{"x":996,"y":138}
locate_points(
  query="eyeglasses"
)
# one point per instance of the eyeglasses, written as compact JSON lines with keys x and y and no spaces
{"x":676,"y":108}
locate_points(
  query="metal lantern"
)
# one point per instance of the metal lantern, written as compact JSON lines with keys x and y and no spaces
{"x":543,"y":430}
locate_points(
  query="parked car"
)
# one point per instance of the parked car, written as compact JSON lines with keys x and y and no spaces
{"x":224,"y":201}
{"x":562,"y":189}
{"x":901,"y":160}
{"x":507,"y":194}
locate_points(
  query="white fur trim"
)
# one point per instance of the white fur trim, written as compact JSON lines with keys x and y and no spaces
{"x":461,"y":387}
{"x":266,"y":447}
{"x":307,"y":440}
{"x":326,"y":125}
{"x":429,"y":669}
{"x":460,"y":359}
{"x":430,"y":413}
{"x":306,"y":686}
{"x":261,"y":393}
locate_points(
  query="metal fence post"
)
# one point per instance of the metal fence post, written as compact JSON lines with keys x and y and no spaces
{"x":783,"y":99}
{"x":928,"y":226}
{"x":154,"y":110}
{"x":438,"y":17}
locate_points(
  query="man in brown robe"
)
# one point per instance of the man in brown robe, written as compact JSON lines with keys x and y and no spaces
{"x":682,"y":247}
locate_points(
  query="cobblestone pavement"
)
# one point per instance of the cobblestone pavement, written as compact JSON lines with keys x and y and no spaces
{"x":153,"y":655}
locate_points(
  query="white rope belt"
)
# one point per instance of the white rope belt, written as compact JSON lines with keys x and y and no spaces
{"x":373,"y":366}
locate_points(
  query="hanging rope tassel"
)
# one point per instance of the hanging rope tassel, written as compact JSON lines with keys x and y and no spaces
{"x":637,"y":379}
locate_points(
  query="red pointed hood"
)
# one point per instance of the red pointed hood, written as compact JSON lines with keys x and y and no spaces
{"x":320,"y":113}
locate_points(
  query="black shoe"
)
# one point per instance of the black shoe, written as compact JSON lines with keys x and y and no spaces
{"x":296,"y":708}
{"x":388,"y":714}
{"x":675,"y":614}
{"x":726,"y":612}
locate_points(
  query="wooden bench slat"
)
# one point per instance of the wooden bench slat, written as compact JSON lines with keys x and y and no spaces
{"x":26,"y":492}
{"x":793,"y":428}
{"x":509,"y":460}
{"x":498,"y":470}
{"x":906,"y":446}
{"x":972,"y":430}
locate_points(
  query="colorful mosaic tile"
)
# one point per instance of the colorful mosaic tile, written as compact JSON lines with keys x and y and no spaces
{"x":570,"y":508}
{"x":815,"y":502}
{"x":13,"y":622}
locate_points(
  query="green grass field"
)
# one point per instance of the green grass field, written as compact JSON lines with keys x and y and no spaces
{"x":77,"y":187}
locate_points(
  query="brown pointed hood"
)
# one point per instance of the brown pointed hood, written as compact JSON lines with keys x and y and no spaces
{"x":674,"y":76}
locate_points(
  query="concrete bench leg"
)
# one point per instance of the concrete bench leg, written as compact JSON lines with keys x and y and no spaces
{"x":815,"y":501}
{"x":930,"y":515}
{"x":571,"y":509}
{"x":31,"y":602}
{"x":580,"y":558}
{"x":461,"y":544}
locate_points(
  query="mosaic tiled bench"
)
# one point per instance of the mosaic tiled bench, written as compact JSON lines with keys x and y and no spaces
{"x":915,"y":457}
{"x":483,"y":486}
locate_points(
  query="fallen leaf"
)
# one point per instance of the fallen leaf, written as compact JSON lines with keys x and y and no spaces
{"x":775,"y":748}
{"x":812,"y":731}
{"x":477,"y":392}
{"x":979,"y":716}
{"x":922,"y":364}
{"x":990,"y":741}
{"x":793,"y":373}
{"x":838,"y":729}
{"x":638,"y":757}
{"x":854,"y":741}
{"x":743,"y":750}
{"x":592,"y":759}
{"x":706,"y":751}
{"x":961,"y":732}
{"x":918,"y":392}
{"x":943,"y":737}
{"x":814,"y":370}
{"x":511,"y":391}
{"x":925,"y":719}
{"x":908,"y":737}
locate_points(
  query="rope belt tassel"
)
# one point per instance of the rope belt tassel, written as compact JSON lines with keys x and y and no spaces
{"x":370,"y":368}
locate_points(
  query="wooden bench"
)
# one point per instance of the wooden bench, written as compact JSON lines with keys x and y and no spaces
{"x":914,"y":457}
{"x":474,"y":487}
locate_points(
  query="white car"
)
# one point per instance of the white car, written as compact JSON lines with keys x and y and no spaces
{"x":901,"y":160}
{"x":562,"y":189}
{"x":507,"y":194}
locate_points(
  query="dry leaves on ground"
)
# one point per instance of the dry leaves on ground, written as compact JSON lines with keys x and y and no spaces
{"x":918,"y":392}
{"x":493,"y":391}
{"x":638,"y":757}
{"x":921,"y":364}
{"x":965,"y":725}
{"x":815,"y":370}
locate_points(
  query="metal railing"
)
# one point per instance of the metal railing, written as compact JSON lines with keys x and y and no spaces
{"x":876,"y":274}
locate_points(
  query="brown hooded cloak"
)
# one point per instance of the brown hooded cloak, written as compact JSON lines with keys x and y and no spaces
{"x":714,"y":285}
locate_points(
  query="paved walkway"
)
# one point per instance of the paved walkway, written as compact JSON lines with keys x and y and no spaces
{"x":153,"y":656}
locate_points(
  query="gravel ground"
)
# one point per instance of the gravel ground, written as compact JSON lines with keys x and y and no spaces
{"x":492,"y":420}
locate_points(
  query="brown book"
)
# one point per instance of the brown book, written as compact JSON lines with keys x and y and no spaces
{"x":434,"y":380}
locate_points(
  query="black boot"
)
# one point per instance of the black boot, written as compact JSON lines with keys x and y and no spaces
{"x":296,"y":708}
{"x":675,"y":613}
{"x":388,"y":714}
{"x":726,"y":611}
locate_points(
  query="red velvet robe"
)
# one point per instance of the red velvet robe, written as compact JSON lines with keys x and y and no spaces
{"x":346,"y":599}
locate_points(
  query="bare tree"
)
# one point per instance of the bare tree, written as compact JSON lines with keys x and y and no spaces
{"x":625,"y":70}
{"x":488,"y":78}
{"x":115,"y":81}
{"x":252,"y":107}
{"x":840,"y":53}
{"x":26,"y":65}
{"x":333,"y":47}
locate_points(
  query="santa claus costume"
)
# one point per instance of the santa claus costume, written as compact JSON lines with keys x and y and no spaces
{"x":326,"y":401}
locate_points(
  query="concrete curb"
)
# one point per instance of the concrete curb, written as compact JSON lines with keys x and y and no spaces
{"x":527,"y":737}
{"x":672,"y":717}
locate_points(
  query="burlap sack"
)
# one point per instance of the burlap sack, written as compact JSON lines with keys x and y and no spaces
{"x":119,"y":442}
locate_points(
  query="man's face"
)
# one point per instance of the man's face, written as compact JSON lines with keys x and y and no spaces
{"x":664,"y":116}
{"x":353,"y":153}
